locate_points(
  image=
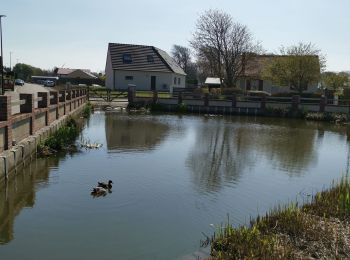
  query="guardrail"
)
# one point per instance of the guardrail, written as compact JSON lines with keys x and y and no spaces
{"x":238,"y":103}
{"x":23,"y":116}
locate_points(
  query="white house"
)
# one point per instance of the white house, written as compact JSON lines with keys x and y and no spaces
{"x":146,"y":67}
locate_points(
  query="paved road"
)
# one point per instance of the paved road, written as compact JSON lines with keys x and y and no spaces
{"x":29,"y":88}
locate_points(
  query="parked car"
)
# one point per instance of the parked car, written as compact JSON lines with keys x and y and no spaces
{"x":49,"y":83}
{"x":19,"y":82}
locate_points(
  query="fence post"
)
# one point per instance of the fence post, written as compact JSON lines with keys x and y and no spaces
{"x":131,"y":94}
{"x":323,"y":102}
{"x":5,"y":108}
{"x":206,"y":99}
{"x":179,"y":98}
{"x":234,"y":101}
{"x":44,"y":102}
{"x":108,"y":95}
{"x":5,"y":115}
{"x":155,"y":97}
{"x":62,"y":99}
{"x":295,"y":102}
{"x":28,"y":107}
{"x":263,"y":103}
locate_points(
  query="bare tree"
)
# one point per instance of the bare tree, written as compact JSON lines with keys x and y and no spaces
{"x":225,"y":44}
{"x":182,"y":56}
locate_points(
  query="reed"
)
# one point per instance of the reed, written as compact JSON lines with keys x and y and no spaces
{"x":318,"y":229}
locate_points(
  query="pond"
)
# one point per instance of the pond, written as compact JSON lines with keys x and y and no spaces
{"x":173,"y":177}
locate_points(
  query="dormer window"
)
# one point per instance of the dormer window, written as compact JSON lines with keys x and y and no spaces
{"x":127,"y":58}
{"x":150,"y":58}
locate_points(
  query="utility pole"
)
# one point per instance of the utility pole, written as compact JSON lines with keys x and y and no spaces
{"x":2,"y":59}
{"x":10,"y":60}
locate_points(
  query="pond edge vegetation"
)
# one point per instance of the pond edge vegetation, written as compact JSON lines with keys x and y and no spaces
{"x":64,"y":137}
{"x":318,"y":229}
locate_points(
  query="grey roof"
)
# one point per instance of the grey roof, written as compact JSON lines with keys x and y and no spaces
{"x":162,"y":62}
{"x":170,"y":61}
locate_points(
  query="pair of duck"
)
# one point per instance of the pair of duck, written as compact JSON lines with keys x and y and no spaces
{"x":102,"y":188}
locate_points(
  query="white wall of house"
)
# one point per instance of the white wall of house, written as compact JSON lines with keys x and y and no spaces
{"x":142,"y":80}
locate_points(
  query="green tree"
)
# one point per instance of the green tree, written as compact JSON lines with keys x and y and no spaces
{"x":25,"y":71}
{"x":297,"y":66}
{"x":335,"y":81}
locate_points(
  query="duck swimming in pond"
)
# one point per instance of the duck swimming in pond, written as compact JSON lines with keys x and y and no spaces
{"x":105,"y":185}
{"x":98,"y":191}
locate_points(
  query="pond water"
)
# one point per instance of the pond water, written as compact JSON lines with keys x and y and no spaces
{"x":173,"y":177}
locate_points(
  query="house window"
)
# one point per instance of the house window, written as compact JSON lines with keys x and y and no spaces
{"x":178,"y":81}
{"x":127,"y":58}
{"x":174,"y":81}
{"x":129,"y":77}
{"x":150,"y":58}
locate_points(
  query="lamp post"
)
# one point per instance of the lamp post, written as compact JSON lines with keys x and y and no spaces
{"x":10,"y":60}
{"x":2,"y":59}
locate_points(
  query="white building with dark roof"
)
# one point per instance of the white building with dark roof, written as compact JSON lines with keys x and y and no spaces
{"x":146,"y":67}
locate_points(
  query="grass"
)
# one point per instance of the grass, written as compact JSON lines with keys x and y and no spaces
{"x":62,"y":138}
{"x":87,"y":110}
{"x":318,"y":229}
{"x":150,"y":94}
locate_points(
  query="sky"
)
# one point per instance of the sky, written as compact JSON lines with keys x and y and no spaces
{"x":76,"y":33}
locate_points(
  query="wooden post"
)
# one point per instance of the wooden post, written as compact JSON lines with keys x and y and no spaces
{"x":234,"y":101}
{"x":263,"y":103}
{"x":5,"y":115}
{"x":179,"y":98}
{"x":206,"y":99}
{"x":131,"y":94}
{"x":28,"y":107}
{"x":323,"y":102}
{"x":155,"y":97}
{"x":295,"y":102}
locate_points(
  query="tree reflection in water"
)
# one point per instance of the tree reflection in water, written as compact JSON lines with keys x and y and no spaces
{"x":225,"y":148}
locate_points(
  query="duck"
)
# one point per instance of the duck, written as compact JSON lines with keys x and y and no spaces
{"x":105,"y":185}
{"x":98,"y":191}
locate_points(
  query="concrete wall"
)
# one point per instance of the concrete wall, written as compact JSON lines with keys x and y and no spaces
{"x":21,"y":129}
{"x":24,"y":150}
{"x":40,"y":120}
{"x":53,"y":114}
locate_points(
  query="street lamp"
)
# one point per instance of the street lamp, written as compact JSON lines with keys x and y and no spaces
{"x":2,"y":59}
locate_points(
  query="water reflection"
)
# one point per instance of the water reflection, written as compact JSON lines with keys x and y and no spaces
{"x":225,"y":148}
{"x":19,"y":192}
{"x":126,"y":133}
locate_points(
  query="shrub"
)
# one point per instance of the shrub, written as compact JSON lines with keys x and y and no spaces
{"x":87,"y":110}
{"x":181,"y":108}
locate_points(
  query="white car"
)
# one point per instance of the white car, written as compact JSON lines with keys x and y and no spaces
{"x":49,"y":83}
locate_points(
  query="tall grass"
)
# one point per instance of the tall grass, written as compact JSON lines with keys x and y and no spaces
{"x":317,"y":229}
{"x":63,"y":137}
